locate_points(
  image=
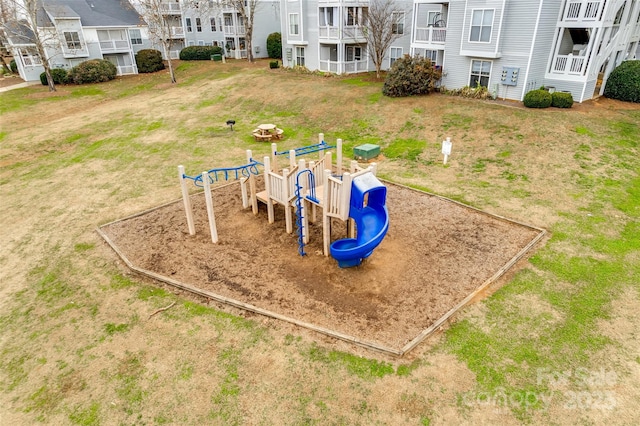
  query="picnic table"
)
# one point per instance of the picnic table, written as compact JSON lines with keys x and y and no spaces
{"x":267,"y":132}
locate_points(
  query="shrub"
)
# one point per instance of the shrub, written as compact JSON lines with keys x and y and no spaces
{"x":199,"y":53}
{"x":92,"y":71}
{"x":274,"y":45}
{"x":274,"y":64}
{"x":479,"y":92}
{"x":624,"y":82}
{"x":411,"y":76}
{"x":561,"y":100}
{"x":13,"y":66}
{"x":537,"y":99}
{"x":58,"y":75}
{"x":149,"y":60}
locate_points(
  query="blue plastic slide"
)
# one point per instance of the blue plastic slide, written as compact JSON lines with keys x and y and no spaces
{"x":368,"y":209}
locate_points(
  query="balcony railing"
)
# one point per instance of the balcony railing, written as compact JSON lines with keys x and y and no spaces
{"x":174,"y":54}
{"x":583,"y":10}
{"x":80,"y":52}
{"x":109,"y":46}
{"x":431,"y":35}
{"x":347,"y":67}
{"x":329,"y":66}
{"x":569,"y":65}
{"x":31,"y":61}
{"x":329,"y":32}
{"x":353,"y":32}
{"x":177,"y":32}
{"x":170,"y":8}
{"x":355,"y":66}
{"x":126,"y":69}
{"x":233,"y":30}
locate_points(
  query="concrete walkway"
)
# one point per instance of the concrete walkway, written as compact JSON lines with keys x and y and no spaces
{"x":19,"y":85}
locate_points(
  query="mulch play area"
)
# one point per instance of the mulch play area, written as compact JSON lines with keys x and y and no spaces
{"x":437,"y":255}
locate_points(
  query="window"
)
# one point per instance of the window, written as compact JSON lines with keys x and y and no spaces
{"x":200,"y":42}
{"x":395,"y":54}
{"x":480,"y":71}
{"x":191,"y":43}
{"x":135,"y":36}
{"x":213,"y":24}
{"x":294,"y":24}
{"x":398,"y":23}
{"x":352,"y":16}
{"x":432,"y":55}
{"x":300,"y":56}
{"x":189,"y":27}
{"x":73,"y":40}
{"x":198,"y":25}
{"x":354,"y":53}
{"x":326,"y":16}
{"x":481,"y":23}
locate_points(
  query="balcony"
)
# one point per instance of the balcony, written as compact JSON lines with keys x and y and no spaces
{"x":329,"y":33}
{"x":430,"y":35}
{"x":233,"y":30}
{"x":177,"y":32}
{"x":76,"y":52}
{"x":347,"y":67}
{"x":114,"y":46}
{"x":126,"y":69}
{"x":170,"y":8}
{"x":354,"y":32}
{"x":569,"y":65}
{"x":583,"y":11}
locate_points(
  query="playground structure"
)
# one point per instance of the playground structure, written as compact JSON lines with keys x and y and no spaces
{"x":356,"y":197}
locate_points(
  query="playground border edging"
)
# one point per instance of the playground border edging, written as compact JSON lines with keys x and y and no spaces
{"x":332,"y":333}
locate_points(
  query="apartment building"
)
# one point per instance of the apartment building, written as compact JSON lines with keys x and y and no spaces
{"x":508,"y":46}
{"x":211,"y":23}
{"x":76,"y":31}
{"x":330,"y":36}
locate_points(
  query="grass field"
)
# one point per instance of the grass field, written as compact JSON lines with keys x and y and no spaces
{"x":556,"y":342}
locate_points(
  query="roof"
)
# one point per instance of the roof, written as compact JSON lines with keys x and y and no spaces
{"x":19,"y":33}
{"x":92,"y":13}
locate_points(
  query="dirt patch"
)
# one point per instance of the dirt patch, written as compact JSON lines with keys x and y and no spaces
{"x":436,"y":253}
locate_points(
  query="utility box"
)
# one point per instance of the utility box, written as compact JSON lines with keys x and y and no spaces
{"x":366,"y":151}
{"x":509,"y":76}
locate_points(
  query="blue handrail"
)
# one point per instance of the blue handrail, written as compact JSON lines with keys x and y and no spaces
{"x":245,"y":170}
{"x":322,"y":146}
{"x":299,"y":197}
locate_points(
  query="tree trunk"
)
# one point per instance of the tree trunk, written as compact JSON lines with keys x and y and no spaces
{"x":169,"y":63}
{"x":249,"y":45}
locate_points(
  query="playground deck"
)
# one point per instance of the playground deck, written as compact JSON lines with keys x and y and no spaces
{"x":437,"y":256}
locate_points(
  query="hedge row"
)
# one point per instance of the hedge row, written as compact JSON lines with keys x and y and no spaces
{"x":91,"y":71}
{"x":541,"y":98}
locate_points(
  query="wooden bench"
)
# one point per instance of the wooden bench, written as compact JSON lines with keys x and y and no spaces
{"x":261,"y":138}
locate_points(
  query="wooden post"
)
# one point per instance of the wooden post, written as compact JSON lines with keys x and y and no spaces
{"x":339,"y":157}
{"x":346,"y":196}
{"x":374,"y":168}
{"x":274,"y":157}
{"x":320,"y":138}
{"x":252,"y":186}
{"x":353,"y":166}
{"x":243,"y":189}
{"x":285,"y":200}
{"x":267,"y":186}
{"x":327,"y":162}
{"x":326,"y":219}
{"x":209,"y":201}
{"x":292,"y":158}
{"x":187,"y":201}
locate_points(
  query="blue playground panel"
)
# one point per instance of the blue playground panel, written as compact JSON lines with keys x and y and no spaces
{"x":372,"y":221}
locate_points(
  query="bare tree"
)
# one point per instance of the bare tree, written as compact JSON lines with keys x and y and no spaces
{"x":381,"y":28}
{"x":19,"y":23}
{"x":247,"y":10}
{"x":161,"y":29}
